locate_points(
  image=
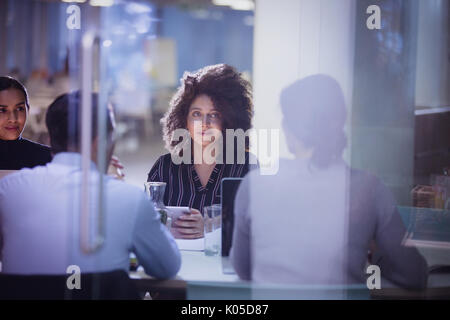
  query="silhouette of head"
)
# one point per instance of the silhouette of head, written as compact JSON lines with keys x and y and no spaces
{"x":314,"y":114}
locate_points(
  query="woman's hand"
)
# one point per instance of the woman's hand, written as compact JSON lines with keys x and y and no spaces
{"x":188,"y":226}
{"x":115,"y":168}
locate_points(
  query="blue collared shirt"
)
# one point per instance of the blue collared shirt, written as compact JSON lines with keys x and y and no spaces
{"x":40,"y":211}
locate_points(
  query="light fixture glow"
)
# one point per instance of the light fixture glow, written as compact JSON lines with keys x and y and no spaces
{"x":222,"y":2}
{"x":101,"y":3}
{"x":74,"y":1}
{"x":246,"y":5}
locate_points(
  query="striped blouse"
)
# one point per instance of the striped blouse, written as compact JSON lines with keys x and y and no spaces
{"x":184,"y":187}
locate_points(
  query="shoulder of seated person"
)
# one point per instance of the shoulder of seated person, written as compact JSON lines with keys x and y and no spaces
{"x":359,"y":176}
{"x":35,"y":145}
{"x":166,"y":159}
{"x":17,"y":176}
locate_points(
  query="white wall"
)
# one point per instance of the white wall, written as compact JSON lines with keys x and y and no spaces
{"x":294,"y":39}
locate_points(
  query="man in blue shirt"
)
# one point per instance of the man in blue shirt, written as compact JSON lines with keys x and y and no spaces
{"x":49,"y":215}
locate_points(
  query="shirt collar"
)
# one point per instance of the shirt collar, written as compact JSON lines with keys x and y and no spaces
{"x":11,"y":141}
{"x":72,"y":159}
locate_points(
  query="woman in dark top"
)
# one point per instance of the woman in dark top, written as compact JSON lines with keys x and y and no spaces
{"x":208,"y":102}
{"x":16,"y":152}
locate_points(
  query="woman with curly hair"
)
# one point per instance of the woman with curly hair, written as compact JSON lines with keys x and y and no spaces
{"x":208,"y":102}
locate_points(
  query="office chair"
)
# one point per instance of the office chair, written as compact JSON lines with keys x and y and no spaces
{"x":113,"y":285}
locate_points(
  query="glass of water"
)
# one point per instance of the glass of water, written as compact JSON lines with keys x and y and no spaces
{"x":155,"y":192}
{"x":212,"y":216}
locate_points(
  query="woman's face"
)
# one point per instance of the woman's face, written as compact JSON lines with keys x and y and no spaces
{"x":201,"y":117}
{"x":13,"y":114}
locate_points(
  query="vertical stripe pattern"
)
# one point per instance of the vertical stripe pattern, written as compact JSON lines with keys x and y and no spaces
{"x":183,"y":184}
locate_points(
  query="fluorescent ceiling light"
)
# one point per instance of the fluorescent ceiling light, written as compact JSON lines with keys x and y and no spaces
{"x":236,"y":4}
{"x":101,"y":3}
{"x":136,"y":8}
{"x":77,"y":1}
{"x":107,"y":43}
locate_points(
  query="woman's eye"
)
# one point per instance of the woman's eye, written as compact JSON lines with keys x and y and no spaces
{"x":2,"y":110}
{"x":196,"y":114}
{"x":215,"y":115}
{"x":21,"y":109}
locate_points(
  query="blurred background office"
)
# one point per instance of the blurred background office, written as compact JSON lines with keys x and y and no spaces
{"x":395,"y":79}
{"x":149,"y":44}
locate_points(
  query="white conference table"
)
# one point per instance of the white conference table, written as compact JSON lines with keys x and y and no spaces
{"x":205,"y":273}
{"x":195,"y":266}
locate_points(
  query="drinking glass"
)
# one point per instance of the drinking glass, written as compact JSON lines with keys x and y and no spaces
{"x":212,"y":216}
{"x":155,"y":192}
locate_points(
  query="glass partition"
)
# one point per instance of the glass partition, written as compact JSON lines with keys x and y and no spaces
{"x":340,"y":108}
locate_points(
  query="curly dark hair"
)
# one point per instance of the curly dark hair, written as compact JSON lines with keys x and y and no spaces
{"x":230,"y":93}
